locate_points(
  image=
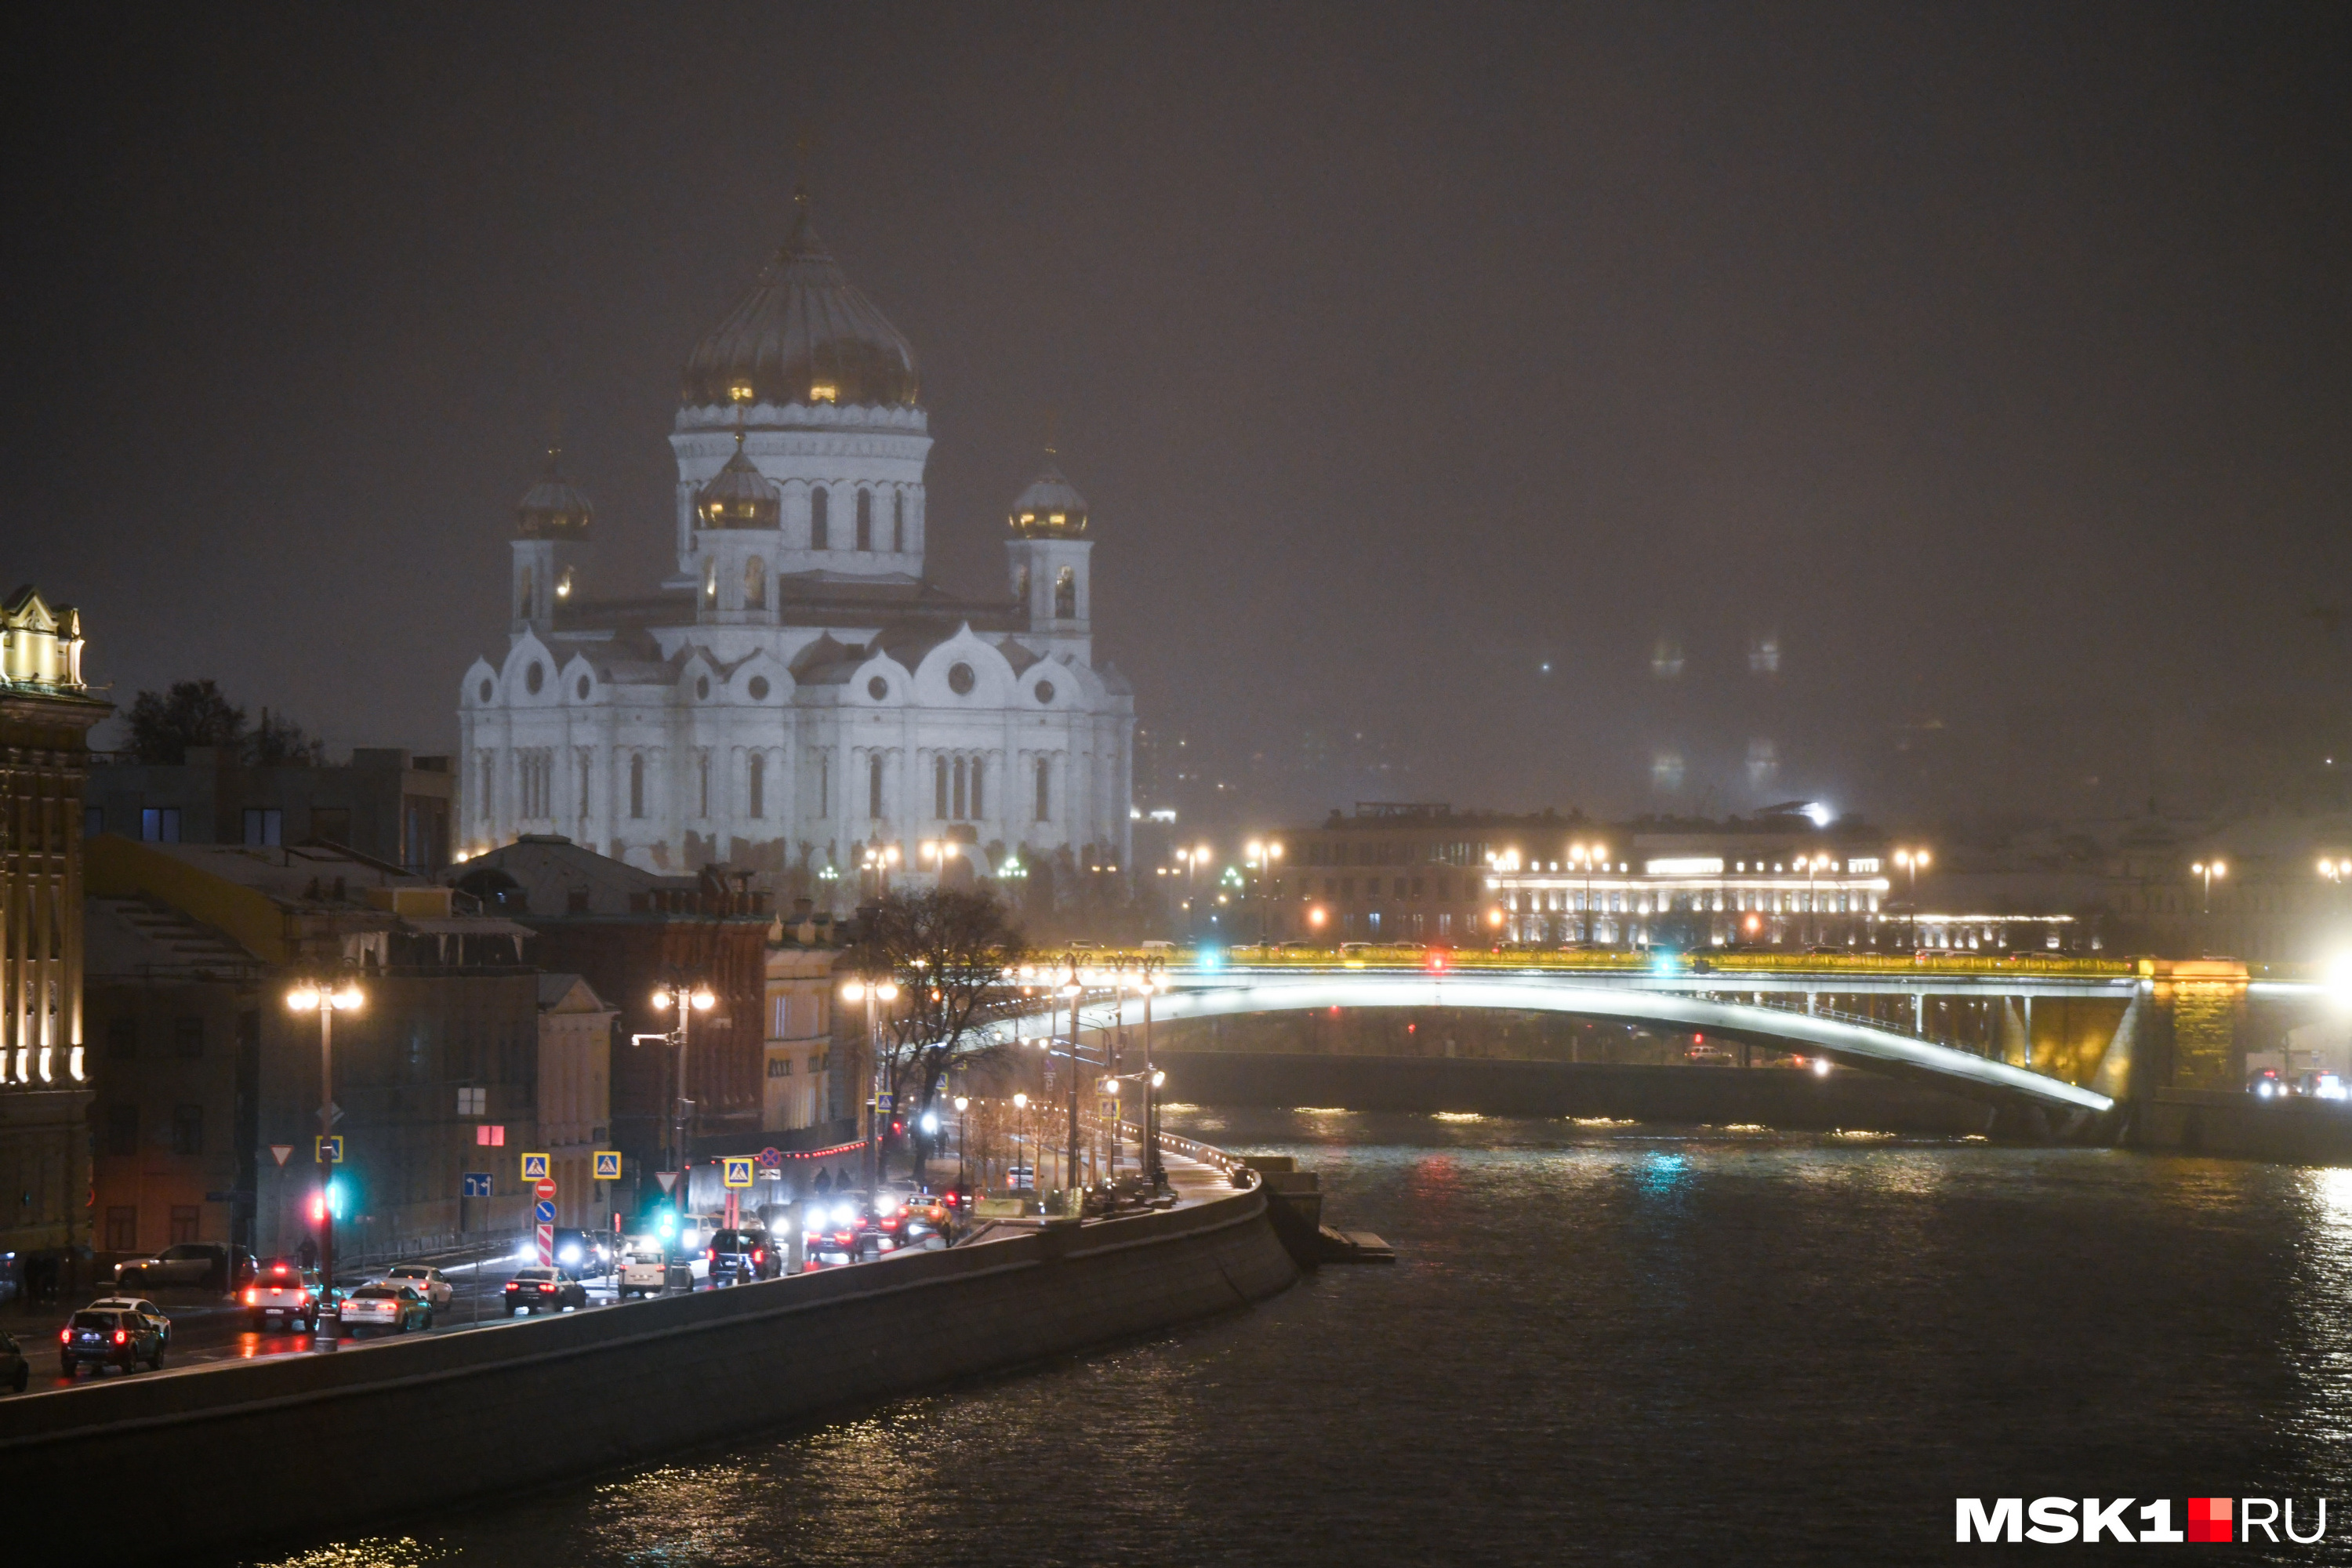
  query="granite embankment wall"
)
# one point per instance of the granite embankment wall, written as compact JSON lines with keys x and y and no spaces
{"x":299,"y":1448}
{"x":1777,"y":1097}
{"x":2237,"y":1125}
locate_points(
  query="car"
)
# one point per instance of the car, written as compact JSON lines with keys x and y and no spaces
{"x":644,"y":1271}
{"x":741,"y":1256}
{"x":543,"y":1289}
{"x":152,"y":1313}
{"x":186,"y":1262}
{"x":109,"y":1339}
{"x":425,"y":1280}
{"x":283,"y":1291}
{"x":583,"y":1252}
{"x":15,"y":1370}
{"x":385,"y":1304}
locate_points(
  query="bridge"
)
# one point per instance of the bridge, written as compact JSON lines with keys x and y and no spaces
{"x":1964,"y":1023}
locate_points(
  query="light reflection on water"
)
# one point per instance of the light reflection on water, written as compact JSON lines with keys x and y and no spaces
{"x":1703,"y":1344}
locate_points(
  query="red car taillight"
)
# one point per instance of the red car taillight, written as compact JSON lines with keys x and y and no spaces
{"x":710,"y":1254}
{"x":65,"y":1336}
{"x":547,"y":1289}
{"x":121,"y":1338}
{"x":252,"y":1298}
{"x":760,"y":1255}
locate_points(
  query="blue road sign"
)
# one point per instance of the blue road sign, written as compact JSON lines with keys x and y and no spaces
{"x":478,"y":1184}
{"x":547,"y":1213}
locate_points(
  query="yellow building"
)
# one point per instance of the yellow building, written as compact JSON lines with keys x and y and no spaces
{"x":799,"y":1039}
{"x":46,"y":714}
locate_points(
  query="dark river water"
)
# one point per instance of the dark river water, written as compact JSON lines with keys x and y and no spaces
{"x":1600,"y":1343}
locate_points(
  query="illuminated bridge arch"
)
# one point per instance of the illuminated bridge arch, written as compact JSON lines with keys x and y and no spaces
{"x":1843,"y":1040}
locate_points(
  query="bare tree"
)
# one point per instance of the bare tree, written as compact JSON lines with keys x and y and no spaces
{"x":949,"y":950}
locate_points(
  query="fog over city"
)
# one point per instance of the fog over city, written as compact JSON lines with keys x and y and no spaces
{"x":1927,"y":410}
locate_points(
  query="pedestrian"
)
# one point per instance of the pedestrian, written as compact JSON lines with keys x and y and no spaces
{"x":307,"y":1254}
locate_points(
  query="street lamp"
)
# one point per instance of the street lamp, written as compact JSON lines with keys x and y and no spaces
{"x":962,"y":1103}
{"x":873,"y":992}
{"x":1587,"y":859}
{"x":878,"y":860}
{"x":1814,"y":866}
{"x":676,"y":997}
{"x":2209,"y":870}
{"x":1261,"y":855}
{"x":1154,"y":978}
{"x":326,"y":998}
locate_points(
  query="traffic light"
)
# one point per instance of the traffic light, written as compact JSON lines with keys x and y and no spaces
{"x":328,"y":1200}
{"x":897,"y":1127}
{"x":665,"y":1222}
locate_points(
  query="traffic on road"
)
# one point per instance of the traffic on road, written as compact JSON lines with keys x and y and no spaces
{"x":282,"y":1306}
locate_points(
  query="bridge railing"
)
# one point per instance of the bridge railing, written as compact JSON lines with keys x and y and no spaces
{"x":1698,"y":960}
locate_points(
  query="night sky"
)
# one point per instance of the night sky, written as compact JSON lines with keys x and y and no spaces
{"x":1993,"y":360}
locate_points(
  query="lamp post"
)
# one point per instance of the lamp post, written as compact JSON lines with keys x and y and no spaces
{"x":1152,"y":977}
{"x":873,"y":992}
{"x":1261,"y":855}
{"x":1587,"y":858}
{"x":1913,"y":862}
{"x":326,"y":998}
{"x":1073,"y":988}
{"x":681,"y":1001}
{"x":2209,"y":870}
{"x":1814,"y":866}
{"x":1022,"y":1143}
{"x":963,"y":1180}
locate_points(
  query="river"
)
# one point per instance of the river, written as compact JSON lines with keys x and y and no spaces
{"x":1622,"y":1342}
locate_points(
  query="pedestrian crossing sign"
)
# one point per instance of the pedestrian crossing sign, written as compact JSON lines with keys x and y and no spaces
{"x":534,"y":1167}
{"x":608,"y":1164}
{"x":739,"y":1170}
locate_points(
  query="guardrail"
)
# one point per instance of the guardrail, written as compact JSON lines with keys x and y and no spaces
{"x":1701,"y":960}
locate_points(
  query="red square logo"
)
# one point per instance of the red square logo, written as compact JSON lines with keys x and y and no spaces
{"x":2209,"y":1518}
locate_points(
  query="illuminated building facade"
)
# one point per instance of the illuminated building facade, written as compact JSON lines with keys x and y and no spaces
{"x":1422,"y":872}
{"x":799,"y":695}
{"x":46,"y":714}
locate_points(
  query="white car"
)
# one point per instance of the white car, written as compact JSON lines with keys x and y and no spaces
{"x":425,"y":1281}
{"x":385,"y":1304}
{"x":644,"y":1271}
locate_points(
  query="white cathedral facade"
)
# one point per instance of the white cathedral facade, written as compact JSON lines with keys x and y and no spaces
{"x":798,"y":701}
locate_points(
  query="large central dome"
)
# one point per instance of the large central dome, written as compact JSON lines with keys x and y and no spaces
{"x":804,"y":335}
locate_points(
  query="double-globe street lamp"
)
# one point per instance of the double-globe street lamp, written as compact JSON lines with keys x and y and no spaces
{"x":326,"y":998}
{"x":681,"y":1001}
{"x":874,"y":994}
{"x":1587,"y":859}
{"x":2209,"y":870}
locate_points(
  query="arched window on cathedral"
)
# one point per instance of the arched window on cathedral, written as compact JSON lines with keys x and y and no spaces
{"x":1045,"y":789}
{"x":755,"y":584}
{"x":758,"y":782}
{"x":977,"y":810}
{"x":637,"y":785}
{"x":1065,"y":594}
{"x":710,"y":584}
{"x":587,"y":769}
{"x":522,"y":594}
{"x":874,"y":788}
{"x":959,"y":789}
{"x":820,"y":505}
{"x":865,"y":520}
{"x":899,"y":520}
{"x":702,"y":776}
{"x":939,"y":788}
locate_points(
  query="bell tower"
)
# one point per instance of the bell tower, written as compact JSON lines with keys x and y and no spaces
{"x":550,"y":544}
{"x":1047,"y":555}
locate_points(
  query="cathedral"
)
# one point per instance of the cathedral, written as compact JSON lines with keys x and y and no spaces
{"x":800,"y":701}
